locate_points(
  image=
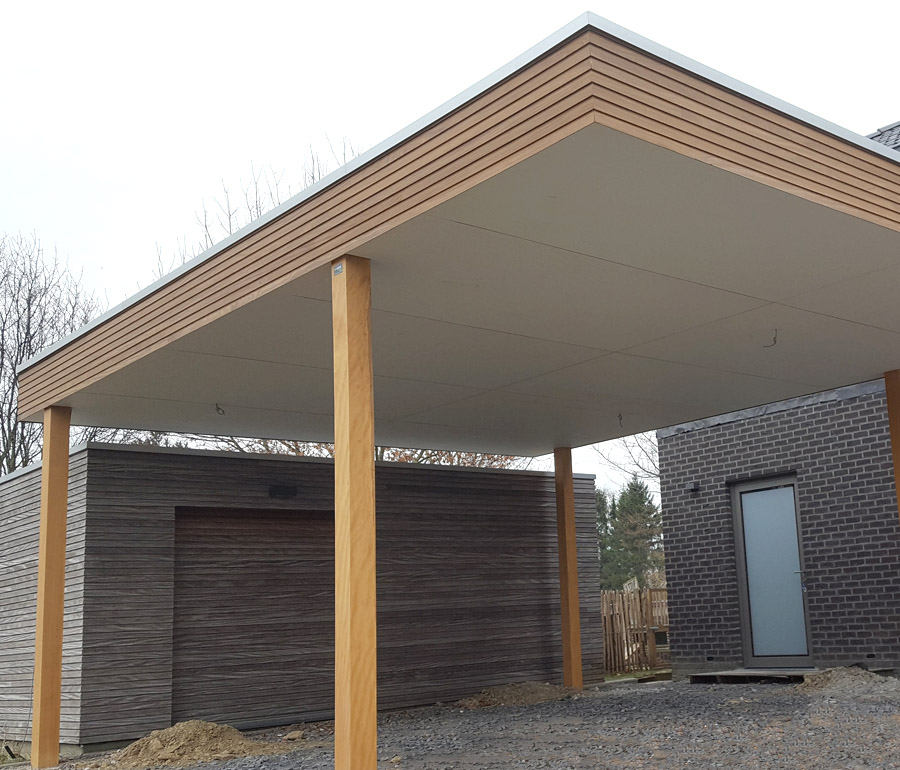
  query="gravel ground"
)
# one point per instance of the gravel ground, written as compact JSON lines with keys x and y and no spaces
{"x":661,"y":725}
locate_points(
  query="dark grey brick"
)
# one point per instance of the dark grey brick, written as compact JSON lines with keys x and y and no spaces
{"x":840,"y":453}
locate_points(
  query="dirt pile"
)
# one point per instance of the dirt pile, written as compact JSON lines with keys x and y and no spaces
{"x":526,"y":694}
{"x":184,"y":744}
{"x":850,"y":681}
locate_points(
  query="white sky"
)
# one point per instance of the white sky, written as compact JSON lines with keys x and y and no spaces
{"x":120,"y":119}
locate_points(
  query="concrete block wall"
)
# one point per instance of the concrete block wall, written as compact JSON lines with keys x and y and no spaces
{"x":837,"y":445}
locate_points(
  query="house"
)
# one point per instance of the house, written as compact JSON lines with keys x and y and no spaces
{"x":464,"y":286}
{"x":781,"y":530}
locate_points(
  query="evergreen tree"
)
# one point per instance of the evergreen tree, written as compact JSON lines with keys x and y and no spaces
{"x":606,"y":510}
{"x":630,"y":531}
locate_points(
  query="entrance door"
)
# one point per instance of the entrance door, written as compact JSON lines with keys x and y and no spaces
{"x":770,"y":575}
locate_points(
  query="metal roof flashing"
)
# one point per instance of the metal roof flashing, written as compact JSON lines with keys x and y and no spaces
{"x":577,"y":26}
{"x":883,"y":129}
{"x":837,"y":394}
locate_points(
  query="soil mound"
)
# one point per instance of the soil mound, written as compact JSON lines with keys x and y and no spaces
{"x":185,"y":744}
{"x":526,"y":694}
{"x":850,"y":681}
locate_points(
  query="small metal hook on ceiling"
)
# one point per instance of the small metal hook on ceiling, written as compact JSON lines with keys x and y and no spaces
{"x":774,"y":340}
{"x":219,"y":410}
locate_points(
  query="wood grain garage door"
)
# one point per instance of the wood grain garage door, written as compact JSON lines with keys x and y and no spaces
{"x":253,"y":641}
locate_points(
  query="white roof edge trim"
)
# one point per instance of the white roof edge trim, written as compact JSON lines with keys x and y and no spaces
{"x":582,"y":22}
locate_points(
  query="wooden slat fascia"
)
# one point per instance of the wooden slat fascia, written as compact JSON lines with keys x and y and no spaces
{"x":677,"y":115}
{"x":621,"y":120}
{"x":83,"y":362}
{"x":814,"y":148}
{"x":762,"y":130}
{"x":811,"y":142}
{"x":694,"y":139}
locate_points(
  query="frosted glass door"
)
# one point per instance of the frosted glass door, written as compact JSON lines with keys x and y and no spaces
{"x":774,"y":577}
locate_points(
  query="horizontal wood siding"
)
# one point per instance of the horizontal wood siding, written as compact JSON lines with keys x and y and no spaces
{"x":468,"y":588}
{"x":590,"y":78}
{"x":592,"y":654}
{"x":129,"y":584}
{"x":20,"y":501}
{"x":254,"y":615}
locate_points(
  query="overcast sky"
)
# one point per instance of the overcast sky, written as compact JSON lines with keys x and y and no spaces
{"x":121,"y":119}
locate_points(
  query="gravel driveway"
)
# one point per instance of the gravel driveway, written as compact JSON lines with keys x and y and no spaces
{"x":662,"y":725}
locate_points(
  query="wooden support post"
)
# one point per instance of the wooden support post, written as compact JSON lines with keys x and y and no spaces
{"x":568,"y":567}
{"x":355,"y":699}
{"x":649,"y":628}
{"x":892,"y":390}
{"x":50,"y":588}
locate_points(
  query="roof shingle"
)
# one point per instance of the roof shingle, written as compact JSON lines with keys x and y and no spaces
{"x":889,"y":135}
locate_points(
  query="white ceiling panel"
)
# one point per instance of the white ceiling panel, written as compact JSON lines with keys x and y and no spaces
{"x":446,"y":271}
{"x":141,"y":412}
{"x":416,"y":348}
{"x":603,"y":193}
{"x":280,"y":327}
{"x":620,"y":376}
{"x":206,"y":379}
{"x":869,"y":299}
{"x":820,"y":351}
{"x":397,"y":398}
{"x":209,"y":380}
{"x":504,"y":421}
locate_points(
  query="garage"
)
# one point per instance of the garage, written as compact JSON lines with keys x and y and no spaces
{"x":205,"y":587}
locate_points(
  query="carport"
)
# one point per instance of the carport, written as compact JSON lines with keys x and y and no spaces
{"x":599,"y":239}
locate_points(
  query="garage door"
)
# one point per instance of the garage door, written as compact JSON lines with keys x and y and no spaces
{"x":253,"y":639}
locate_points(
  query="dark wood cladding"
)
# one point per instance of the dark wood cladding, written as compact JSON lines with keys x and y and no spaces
{"x":254,"y":615}
{"x":20,"y":496}
{"x":188,"y":616}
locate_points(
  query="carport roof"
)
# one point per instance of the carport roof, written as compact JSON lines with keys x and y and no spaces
{"x":601,"y":238}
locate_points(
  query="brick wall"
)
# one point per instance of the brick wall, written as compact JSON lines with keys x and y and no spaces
{"x":839,"y":451}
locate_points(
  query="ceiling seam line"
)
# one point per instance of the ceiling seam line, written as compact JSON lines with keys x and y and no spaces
{"x":605,"y":260}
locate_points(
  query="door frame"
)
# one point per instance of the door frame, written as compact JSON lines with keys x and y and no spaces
{"x":766,"y":661}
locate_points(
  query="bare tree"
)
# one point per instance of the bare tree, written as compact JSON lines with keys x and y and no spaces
{"x":260,"y":192}
{"x":41,"y":301}
{"x":448,"y":457}
{"x":382,"y":453}
{"x":633,"y":456}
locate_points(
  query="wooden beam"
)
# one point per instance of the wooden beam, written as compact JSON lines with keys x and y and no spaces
{"x":892,"y":390}
{"x":355,"y":698}
{"x":568,"y":567}
{"x":50,"y":588}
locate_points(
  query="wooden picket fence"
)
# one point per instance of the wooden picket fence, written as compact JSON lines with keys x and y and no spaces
{"x":631,"y":620}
